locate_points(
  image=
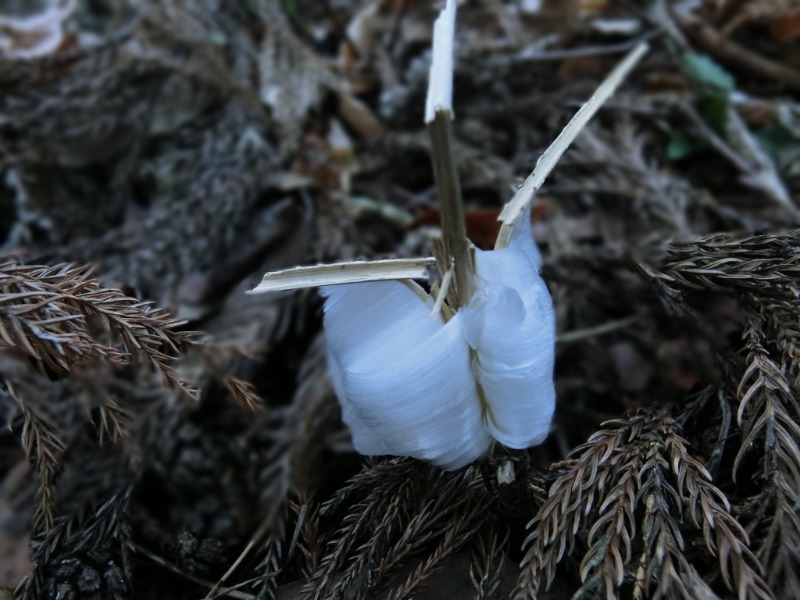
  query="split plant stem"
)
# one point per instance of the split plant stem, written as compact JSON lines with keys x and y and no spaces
{"x":457,"y":248}
{"x":551,"y":156}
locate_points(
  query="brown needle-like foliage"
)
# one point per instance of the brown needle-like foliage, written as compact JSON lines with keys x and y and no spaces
{"x":398,"y":508}
{"x":56,"y":321}
{"x":50,"y":313}
{"x":600,"y":496}
{"x":762,"y":273}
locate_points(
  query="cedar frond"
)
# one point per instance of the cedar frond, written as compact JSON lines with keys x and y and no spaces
{"x":114,"y":420}
{"x":45,"y":450}
{"x":456,"y":509}
{"x":269,"y":564}
{"x":391,"y":486}
{"x":83,"y":551}
{"x":602,"y":490}
{"x":460,"y":531}
{"x":62,"y":321}
{"x":487,"y":561}
{"x":762,"y":272}
{"x":768,"y":407}
{"x":762,"y":263}
{"x":603,"y":567}
{"x":769,"y":411}
{"x":309,"y":536}
{"x":49,"y":314}
{"x":244,"y":393}
{"x":663,"y":562}
{"x":287,"y":438}
{"x":401,"y":508}
{"x":709,"y":509}
{"x":567,"y":509}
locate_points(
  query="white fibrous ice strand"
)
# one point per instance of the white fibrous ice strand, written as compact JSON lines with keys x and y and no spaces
{"x":403,"y":379}
{"x":414,"y":386}
{"x":510,"y":324}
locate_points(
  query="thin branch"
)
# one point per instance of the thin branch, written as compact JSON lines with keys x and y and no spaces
{"x":341,"y":273}
{"x":551,"y":156}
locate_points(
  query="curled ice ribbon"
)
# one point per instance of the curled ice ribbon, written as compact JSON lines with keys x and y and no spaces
{"x":412,"y":385}
{"x":438,"y":389}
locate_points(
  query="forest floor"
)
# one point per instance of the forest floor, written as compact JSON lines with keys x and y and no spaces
{"x":174,"y":151}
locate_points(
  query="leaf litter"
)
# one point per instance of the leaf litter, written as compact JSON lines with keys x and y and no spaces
{"x":183,"y":148}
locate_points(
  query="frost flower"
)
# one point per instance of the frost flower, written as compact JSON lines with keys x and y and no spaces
{"x":412,"y":385}
{"x":435,"y":388}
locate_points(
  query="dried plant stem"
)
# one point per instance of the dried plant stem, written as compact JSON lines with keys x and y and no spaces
{"x":454,"y":231}
{"x":230,"y":592}
{"x":551,"y":156}
{"x":341,"y":273}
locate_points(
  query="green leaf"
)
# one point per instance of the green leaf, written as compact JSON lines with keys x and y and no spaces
{"x":714,"y":108}
{"x":680,"y":146}
{"x":705,"y":70}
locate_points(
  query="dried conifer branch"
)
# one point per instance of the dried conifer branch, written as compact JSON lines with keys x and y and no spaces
{"x":567,"y":509}
{"x":390,"y":480}
{"x":308,"y":542}
{"x":603,"y":488}
{"x":45,"y":450}
{"x":762,"y":271}
{"x":487,"y":561}
{"x":47,"y":313}
{"x":603,"y":567}
{"x":404,"y":507}
{"x":456,"y":509}
{"x":767,"y":406}
{"x":382,"y":511}
{"x":34,"y":322}
{"x":663,"y":562}
{"x":62,"y":320}
{"x":459,"y":532}
{"x":769,"y":411}
{"x":709,"y":509}
{"x":768,"y":263}
{"x":285,"y":437}
{"x":96,"y":533}
{"x":114,"y":420}
{"x":244,"y":393}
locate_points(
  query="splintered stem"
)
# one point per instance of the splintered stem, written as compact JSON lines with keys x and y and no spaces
{"x":549,"y":159}
{"x":341,"y":273}
{"x":457,"y":248}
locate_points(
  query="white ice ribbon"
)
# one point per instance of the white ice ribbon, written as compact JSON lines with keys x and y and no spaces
{"x":435,"y":389}
{"x":414,"y":386}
